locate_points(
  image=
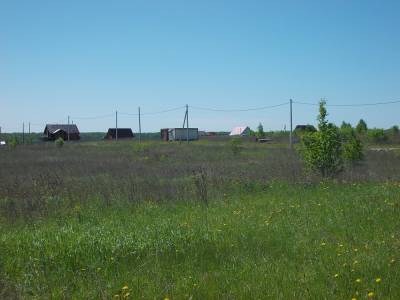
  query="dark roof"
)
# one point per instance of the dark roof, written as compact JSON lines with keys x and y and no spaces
{"x":52,"y":128}
{"x":122,"y":133}
{"x":307,"y":127}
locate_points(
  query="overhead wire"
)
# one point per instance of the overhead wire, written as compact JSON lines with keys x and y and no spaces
{"x":93,"y":118}
{"x":153,"y":113}
{"x":349,"y":105}
{"x":239,"y":110}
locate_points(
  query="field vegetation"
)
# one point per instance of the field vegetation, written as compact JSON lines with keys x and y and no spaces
{"x":123,"y":220}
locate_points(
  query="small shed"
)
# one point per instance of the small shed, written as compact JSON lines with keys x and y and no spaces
{"x":164,"y":134}
{"x":120,"y":133}
{"x":240,"y":131}
{"x":64,"y":131}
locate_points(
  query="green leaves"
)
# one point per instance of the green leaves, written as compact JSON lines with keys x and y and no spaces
{"x":322,"y":149}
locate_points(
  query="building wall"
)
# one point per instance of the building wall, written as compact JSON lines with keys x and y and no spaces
{"x":180,"y":134}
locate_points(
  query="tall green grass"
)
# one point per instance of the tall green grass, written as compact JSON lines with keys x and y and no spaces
{"x":281,"y":241}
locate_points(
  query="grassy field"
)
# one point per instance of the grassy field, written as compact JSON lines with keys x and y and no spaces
{"x":155,"y":221}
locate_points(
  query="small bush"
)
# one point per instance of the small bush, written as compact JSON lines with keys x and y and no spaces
{"x":13,"y":142}
{"x":236,"y":145}
{"x":200,"y":182}
{"x":377,"y":135}
{"x":321,"y":150}
{"x":260,"y":134}
{"x":361,"y":127}
{"x":352,"y":149}
{"x":59,"y":142}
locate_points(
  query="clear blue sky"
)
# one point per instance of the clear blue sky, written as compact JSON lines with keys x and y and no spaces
{"x":89,"y":58}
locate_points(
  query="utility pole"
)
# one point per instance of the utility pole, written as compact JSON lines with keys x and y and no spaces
{"x":116,"y":125}
{"x":23,"y":133}
{"x":291,"y":124}
{"x":68,"y":129}
{"x":140,"y":127}
{"x":187,"y":123}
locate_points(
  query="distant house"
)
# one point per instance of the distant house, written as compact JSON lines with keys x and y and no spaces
{"x":3,"y":143}
{"x":240,"y":131}
{"x":122,"y":133}
{"x":55,"y":131}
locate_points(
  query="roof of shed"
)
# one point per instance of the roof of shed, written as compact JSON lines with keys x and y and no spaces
{"x":122,"y":132}
{"x":54,"y":128}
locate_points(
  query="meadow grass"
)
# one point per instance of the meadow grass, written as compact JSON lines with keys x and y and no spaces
{"x":282,"y":241}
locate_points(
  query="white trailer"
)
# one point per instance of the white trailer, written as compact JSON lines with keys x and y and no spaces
{"x":182,"y":134}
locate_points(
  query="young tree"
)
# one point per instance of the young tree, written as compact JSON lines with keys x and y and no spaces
{"x":345,"y":125}
{"x":322,"y":149}
{"x":361,"y":127}
{"x":260,"y":131}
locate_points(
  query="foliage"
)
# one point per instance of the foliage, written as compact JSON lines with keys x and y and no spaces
{"x":322,"y":149}
{"x":13,"y":142}
{"x":352,"y":148}
{"x":361,"y":127}
{"x":236,"y":145}
{"x":59,"y":142}
{"x":377,"y":135}
{"x":260,"y":131}
{"x":345,"y":126}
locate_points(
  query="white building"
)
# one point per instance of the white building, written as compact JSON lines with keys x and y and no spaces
{"x":240,"y":131}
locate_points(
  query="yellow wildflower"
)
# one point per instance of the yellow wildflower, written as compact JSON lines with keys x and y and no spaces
{"x":378,"y":280}
{"x":336,"y":275}
{"x":358,"y":280}
{"x":371,"y":294}
{"x":125,"y":287}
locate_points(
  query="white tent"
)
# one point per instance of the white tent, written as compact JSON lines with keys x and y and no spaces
{"x":240,"y":130}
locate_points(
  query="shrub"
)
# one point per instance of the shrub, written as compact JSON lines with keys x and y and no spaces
{"x":200,"y":182}
{"x":260,"y":134}
{"x":345,"y":126}
{"x":59,"y":142}
{"x":361,"y":127}
{"x":377,"y":135}
{"x":13,"y":142}
{"x":352,"y":149}
{"x":236,"y":145}
{"x":321,"y":150}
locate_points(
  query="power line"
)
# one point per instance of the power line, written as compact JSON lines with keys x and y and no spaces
{"x":239,"y":110}
{"x":93,"y":118}
{"x":154,"y":113}
{"x":349,"y":105}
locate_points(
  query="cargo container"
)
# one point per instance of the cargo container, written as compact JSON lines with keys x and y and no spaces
{"x":182,"y":134}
